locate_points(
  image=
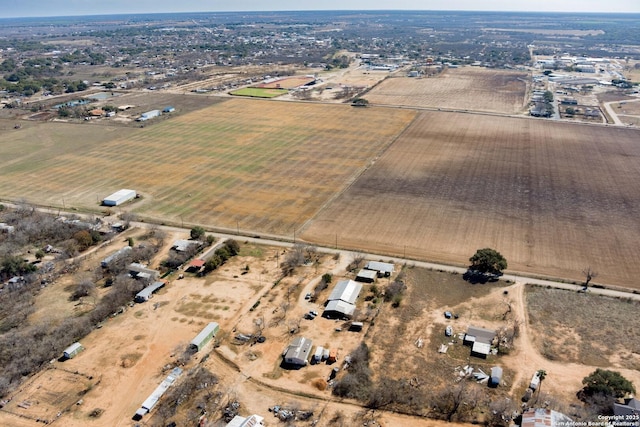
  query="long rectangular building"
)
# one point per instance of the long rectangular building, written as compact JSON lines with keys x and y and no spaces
{"x":146,"y":293}
{"x":205,"y":335}
{"x":153,"y":399}
{"x":119,"y":197}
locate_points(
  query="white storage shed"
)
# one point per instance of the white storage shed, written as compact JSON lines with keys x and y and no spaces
{"x":119,"y":197}
{"x":71,"y":351}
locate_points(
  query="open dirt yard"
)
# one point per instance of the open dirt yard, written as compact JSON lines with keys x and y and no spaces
{"x":125,"y":360}
{"x":553,"y":198}
{"x":239,"y":163}
{"x":467,"y":88}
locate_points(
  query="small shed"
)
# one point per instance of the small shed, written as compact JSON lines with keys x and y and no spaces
{"x":71,"y":351}
{"x":119,"y":197}
{"x":496,"y":376}
{"x":384,"y":269}
{"x":480,"y":349}
{"x":205,"y":336}
{"x":317,"y":356}
{"x":366,"y":276}
{"x":480,"y":340}
{"x":356,"y":326}
{"x":333,"y":355}
{"x":196,"y":265}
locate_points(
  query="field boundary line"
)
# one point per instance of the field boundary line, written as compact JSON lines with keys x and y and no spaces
{"x":357,"y":174}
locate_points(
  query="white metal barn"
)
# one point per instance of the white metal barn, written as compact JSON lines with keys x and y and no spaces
{"x":343,"y":299}
{"x":153,"y":399}
{"x":71,"y":351}
{"x":145,"y":294}
{"x":114,"y":256}
{"x":119,"y":197}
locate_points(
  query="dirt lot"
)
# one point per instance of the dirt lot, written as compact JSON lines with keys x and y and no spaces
{"x":461,"y":182}
{"x":467,"y":88}
{"x":126,"y":359}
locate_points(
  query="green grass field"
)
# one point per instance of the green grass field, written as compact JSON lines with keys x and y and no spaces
{"x":259,"y":92}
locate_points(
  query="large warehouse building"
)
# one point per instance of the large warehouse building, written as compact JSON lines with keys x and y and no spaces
{"x":119,"y":197}
{"x":342,"y":301}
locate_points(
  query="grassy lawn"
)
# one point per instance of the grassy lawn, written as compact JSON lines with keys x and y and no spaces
{"x":259,"y":92}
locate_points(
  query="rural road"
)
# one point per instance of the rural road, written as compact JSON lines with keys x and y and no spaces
{"x":287,"y":242}
{"x":347,"y":255}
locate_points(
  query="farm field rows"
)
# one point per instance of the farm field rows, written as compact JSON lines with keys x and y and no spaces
{"x":467,"y":88}
{"x":553,"y":198}
{"x":238,"y":163}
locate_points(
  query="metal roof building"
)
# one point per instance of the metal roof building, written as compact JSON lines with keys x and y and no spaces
{"x":343,"y":299}
{"x":631,"y":407}
{"x":182,"y":245}
{"x":367,"y":276}
{"x":340,"y":307}
{"x":139,"y":271}
{"x":152,"y":400}
{"x":251,"y":421}
{"x":71,"y":351}
{"x":145,"y":294}
{"x":114,"y":256}
{"x":298,"y":351}
{"x":480,"y":340}
{"x":346,"y":290}
{"x":205,"y":335}
{"x":496,"y":376}
{"x":383,"y":268}
{"x":119,"y":197}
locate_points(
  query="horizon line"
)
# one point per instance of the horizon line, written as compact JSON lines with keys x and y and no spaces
{"x":321,"y":10}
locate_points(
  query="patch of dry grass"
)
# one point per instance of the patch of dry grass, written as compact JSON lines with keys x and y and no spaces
{"x":585,"y":328}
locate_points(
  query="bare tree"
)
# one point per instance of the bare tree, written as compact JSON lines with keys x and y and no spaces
{"x":294,"y":258}
{"x":356,"y":262}
{"x":84,"y":288}
{"x":455,"y":402}
{"x":589,"y":274}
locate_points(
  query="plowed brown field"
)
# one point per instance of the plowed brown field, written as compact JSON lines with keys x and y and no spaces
{"x":468,"y":88}
{"x":553,"y":198}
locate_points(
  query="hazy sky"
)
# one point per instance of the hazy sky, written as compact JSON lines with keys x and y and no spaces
{"x":19,"y":8}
